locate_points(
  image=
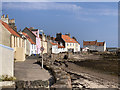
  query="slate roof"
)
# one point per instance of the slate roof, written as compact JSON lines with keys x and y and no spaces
{"x":28,"y":37}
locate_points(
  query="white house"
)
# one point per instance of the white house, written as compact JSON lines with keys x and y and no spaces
{"x":30,"y":45}
{"x":56,"y":48}
{"x":95,"y":46}
{"x":70,"y":44}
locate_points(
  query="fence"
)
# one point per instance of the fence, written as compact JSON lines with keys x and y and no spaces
{"x":6,"y":60}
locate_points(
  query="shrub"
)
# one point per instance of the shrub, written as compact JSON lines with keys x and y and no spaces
{"x":7,"y":78}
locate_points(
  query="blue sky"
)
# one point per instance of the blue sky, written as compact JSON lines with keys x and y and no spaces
{"x":84,"y":20}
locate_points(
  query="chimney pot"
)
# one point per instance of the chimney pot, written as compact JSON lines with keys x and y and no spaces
{"x":31,"y":28}
{"x":3,"y":15}
{"x":68,"y":34}
{"x":7,"y":16}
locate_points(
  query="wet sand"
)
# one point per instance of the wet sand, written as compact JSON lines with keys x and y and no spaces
{"x":91,"y":78}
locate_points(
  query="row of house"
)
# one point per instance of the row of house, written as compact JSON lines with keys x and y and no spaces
{"x":29,"y":41}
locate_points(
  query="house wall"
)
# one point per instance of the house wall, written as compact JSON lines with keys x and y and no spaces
{"x":33,"y":49}
{"x":18,"y":44}
{"x":38,"y":45}
{"x":49,"y":47}
{"x":55,"y":49}
{"x":100,"y":48}
{"x":44,"y":41}
{"x":45,"y":46}
{"x":77,"y":47}
{"x":60,"y":50}
{"x":4,"y":19}
{"x":105,"y":46}
{"x":74,"y":46}
{"x":27,"y":47}
{"x":20,"y":54}
{"x":38,"y":41}
{"x":91,"y":47}
{"x":0,"y":33}
{"x":5,"y":36}
{"x":6,"y":60}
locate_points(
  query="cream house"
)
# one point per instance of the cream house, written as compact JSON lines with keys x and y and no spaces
{"x":44,"y":42}
{"x":12,"y":39}
{"x":30,"y":45}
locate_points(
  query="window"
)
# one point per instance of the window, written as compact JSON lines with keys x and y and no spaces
{"x":73,"y":44}
{"x":67,"y":44}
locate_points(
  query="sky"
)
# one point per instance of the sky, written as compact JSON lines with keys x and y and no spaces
{"x":83,"y":20}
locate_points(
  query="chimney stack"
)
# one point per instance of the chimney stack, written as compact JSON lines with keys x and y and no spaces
{"x":74,"y":38}
{"x":31,"y":28}
{"x":59,"y":35}
{"x":68,"y":34}
{"x":7,"y":16}
{"x":3,"y":15}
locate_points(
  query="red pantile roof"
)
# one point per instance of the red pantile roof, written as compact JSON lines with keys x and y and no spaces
{"x":28,"y":37}
{"x":89,"y":42}
{"x":93,"y":43}
{"x":67,"y":39}
{"x":9,"y":29}
{"x":100,"y":43}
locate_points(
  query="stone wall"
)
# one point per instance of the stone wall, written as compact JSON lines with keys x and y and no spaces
{"x":21,"y":85}
{"x":61,"y":56}
{"x":62,"y":78}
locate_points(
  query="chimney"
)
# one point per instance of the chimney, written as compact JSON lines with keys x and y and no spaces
{"x":51,"y":38}
{"x":68,"y":34}
{"x":7,"y":16}
{"x":59,"y":35}
{"x":31,"y":28}
{"x":12,"y":21}
{"x":74,"y":38}
{"x":3,"y":15}
{"x":48,"y":37}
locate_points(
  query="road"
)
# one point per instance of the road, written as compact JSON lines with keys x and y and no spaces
{"x":29,"y":70}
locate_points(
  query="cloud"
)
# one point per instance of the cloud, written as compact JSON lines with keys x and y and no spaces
{"x":61,"y":6}
{"x":103,"y":11}
{"x":42,"y":6}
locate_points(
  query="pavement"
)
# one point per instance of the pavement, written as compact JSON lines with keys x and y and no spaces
{"x":29,"y":70}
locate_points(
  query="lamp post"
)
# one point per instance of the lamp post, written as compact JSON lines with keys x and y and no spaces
{"x":42,"y":46}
